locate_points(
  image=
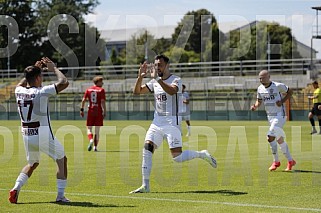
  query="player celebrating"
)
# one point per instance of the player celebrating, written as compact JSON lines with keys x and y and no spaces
{"x":32,"y":100}
{"x":166,"y":123}
{"x":270,"y":94}
{"x":96,"y":110}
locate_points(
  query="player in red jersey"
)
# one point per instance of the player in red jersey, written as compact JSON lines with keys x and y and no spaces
{"x":96,"y":110}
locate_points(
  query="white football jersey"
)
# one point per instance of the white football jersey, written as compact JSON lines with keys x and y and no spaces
{"x":270,"y":95}
{"x":167,"y":107}
{"x":33,"y":103}
{"x":186,"y":109}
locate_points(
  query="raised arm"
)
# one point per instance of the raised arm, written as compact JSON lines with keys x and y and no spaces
{"x":139,"y":88}
{"x":62,"y":82}
{"x":22,"y":83}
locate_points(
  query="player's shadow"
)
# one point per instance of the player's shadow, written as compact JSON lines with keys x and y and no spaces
{"x":223,"y":192}
{"x":82,"y":204}
{"x":306,"y":171}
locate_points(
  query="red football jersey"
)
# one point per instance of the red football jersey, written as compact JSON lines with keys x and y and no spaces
{"x":95,"y":95}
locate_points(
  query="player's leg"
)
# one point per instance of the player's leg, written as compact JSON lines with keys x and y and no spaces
{"x":188,"y":124}
{"x":90,"y":137}
{"x":31,"y":144}
{"x":174,"y":140}
{"x":96,"y":137}
{"x":318,"y":113}
{"x":280,"y":138}
{"x":62,"y":172}
{"x":153,"y":139}
{"x":311,"y":119}
{"x":274,"y":149}
{"x":22,"y":179}
{"x":62,"y":169}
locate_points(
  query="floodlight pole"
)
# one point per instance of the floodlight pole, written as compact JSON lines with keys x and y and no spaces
{"x":316,"y":36}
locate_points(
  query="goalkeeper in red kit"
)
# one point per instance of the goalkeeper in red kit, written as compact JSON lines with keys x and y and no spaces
{"x":96,"y":110}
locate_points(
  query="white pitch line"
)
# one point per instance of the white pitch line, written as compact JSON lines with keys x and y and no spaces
{"x":179,"y":200}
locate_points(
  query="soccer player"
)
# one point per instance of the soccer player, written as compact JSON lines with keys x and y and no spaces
{"x":96,"y":110}
{"x":270,"y":94}
{"x":186,"y":110}
{"x":167,"y":90}
{"x":32,"y":100}
{"x":316,"y":98}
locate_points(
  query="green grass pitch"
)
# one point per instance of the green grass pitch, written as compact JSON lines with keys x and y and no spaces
{"x":100,"y":181}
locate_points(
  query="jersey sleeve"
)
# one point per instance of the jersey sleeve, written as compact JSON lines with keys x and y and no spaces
{"x":282,"y":87}
{"x":150,"y":84}
{"x":103,"y":94}
{"x":86,"y":94}
{"x":177,"y":82}
{"x":258,"y":94}
{"x":50,"y":89}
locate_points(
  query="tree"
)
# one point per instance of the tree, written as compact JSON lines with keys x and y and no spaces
{"x":71,"y":41}
{"x":22,"y":14}
{"x":196,"y":31}
{"x":53,"y":28}
{"x":253,"y":44}
{"x":136,"y":48}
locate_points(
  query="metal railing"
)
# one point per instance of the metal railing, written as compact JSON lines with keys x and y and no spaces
{"x":200,"y":69}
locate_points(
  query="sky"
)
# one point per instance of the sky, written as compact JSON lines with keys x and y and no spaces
{"x":296,"y":14}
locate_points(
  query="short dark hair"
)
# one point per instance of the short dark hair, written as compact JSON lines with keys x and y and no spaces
{"x":184,"y":86}
{"x":315,"y":82}
{"x":31,"y":72}
{"x":164,"y":57}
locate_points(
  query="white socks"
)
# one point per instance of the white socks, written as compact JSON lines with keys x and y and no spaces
{"x":61,"y":185}
{"x":285,"y":149}
{"x":146,"y":167}
{"x":189,"y":130}
{"x":274,"y":149}
{"x":187,"y":155}
{"x":21,"y":180}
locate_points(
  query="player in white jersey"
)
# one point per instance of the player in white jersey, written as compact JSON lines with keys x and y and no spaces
{"x":271,"y":94}
{"x":186,"y":110}
{"x":32,"y":100}
{"x":167,"y":90}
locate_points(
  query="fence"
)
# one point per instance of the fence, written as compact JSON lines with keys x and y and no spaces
{"x":185,"y":70}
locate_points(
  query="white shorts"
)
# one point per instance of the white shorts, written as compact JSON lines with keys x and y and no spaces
{"x":172,"y":134}
{"x":186,"y":117}
{"x":38,"y":140}
{"x":276,"y":126}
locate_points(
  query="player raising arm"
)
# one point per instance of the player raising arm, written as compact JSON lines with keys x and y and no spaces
{"x":167,"y":89}
{"x":32,"y":101}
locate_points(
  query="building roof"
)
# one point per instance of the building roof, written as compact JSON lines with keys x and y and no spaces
{"x":121,"y":35}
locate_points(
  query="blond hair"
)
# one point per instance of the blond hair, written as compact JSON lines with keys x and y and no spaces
{"x":96,"y":79}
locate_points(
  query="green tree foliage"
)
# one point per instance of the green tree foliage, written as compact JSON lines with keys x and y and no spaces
{"x":136,"y":47}
{"x":53,"y":28}
{"x":198,"y":32}
{"x":251,"y":43}
{"x":23,"y":15}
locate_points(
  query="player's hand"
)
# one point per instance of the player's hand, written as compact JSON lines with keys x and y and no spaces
{"x":48,"y":63}
{"x":142,"y":70}
{"x":104,"y":114}
{"x":278,"y":103}
{"x":39,"y":64}
{"x":253,"y":107}
{"x":152,"y":70}
{"x":82,"y":114}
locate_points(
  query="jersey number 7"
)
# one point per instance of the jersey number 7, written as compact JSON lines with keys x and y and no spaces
{"x":25,"y":104}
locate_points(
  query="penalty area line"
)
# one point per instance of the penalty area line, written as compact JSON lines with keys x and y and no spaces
{"x":177,"y":200}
